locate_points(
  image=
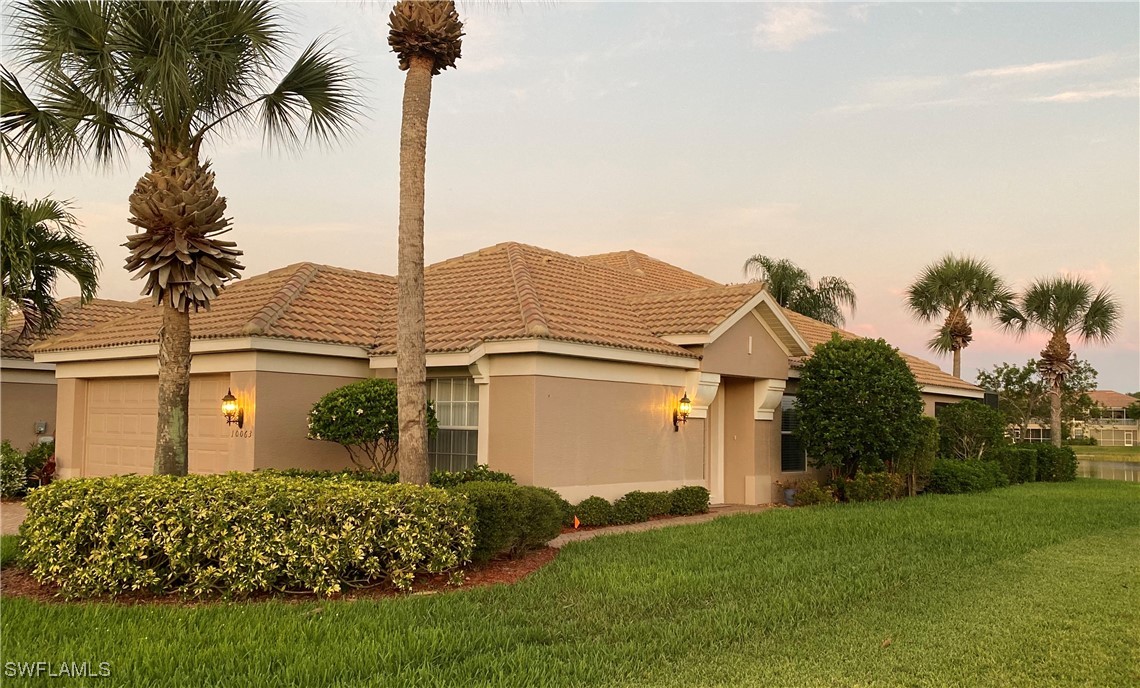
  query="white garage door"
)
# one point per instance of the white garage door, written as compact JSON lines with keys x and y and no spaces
{"x":122,"y":414}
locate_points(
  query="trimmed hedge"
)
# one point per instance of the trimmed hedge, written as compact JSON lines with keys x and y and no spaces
{"x":653,"y":503}
{"x":478,"y":474}
{"x":239,"y":533}
{"x":594,"y":511}
{"x":689,"y":500}
{"x":1056,"y":464}
{"x":1018,"y":463}
{"x":510,"y":519}
{"x":631,"y":508}
{"x":872,"y":487}
{"x":565,"y":507}
{"x":950,"y":476}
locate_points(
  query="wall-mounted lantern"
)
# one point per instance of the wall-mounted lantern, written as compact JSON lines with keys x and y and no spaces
{"x":681,"y":413}
{"x":231,"y":410}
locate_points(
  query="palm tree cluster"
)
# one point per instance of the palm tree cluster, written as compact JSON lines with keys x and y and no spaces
{"x":167,"y":77}
{"x":962,"y":287}
{"x":39,"y":241}
{"x":792,"y":287}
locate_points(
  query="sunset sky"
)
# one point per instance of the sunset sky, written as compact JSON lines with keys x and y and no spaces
{"x":858,"y":140}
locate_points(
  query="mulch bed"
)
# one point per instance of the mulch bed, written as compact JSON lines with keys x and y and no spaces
{"x":567,"y":529}
{"x":15,"y":582}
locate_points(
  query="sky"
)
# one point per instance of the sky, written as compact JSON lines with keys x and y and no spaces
{"x":858,"y":140}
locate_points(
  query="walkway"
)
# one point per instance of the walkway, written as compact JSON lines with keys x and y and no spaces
{"x":714,"y":512}
{"x":11,"y":516}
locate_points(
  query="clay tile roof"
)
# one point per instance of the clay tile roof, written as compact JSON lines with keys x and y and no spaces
{"x":515,"y":291}
{"x":695,"y":311}
{"x":305,"y":302}
{"x":76,"y":317}
{"x":664,"y":276}
{"x":815,"y":333}
{"x":1110,"y":399}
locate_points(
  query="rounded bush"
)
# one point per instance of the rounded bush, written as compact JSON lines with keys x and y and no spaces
{"x":631,"y":508}
{"x":809,"y":493}
{"x":1056,"y":464}
{"x":654,"y":503}
{"x":510,"y":519}
{"x":239,"y":533}
{"x":594,"y":511}
{"x":564,"y":506}
{"x":956,"y":477}
{"x":689,"y":500}
{"x":873,"y":487}
{"x":478,"y":474}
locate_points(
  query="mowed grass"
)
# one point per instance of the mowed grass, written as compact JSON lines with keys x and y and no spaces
{"x":1030,"y":585}
{"x":1102,"y":453}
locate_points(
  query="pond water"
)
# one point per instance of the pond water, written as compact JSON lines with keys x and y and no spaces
{"x":1109,"y":470}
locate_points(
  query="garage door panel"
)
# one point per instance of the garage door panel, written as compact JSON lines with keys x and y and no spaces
{"x":122,"y":415}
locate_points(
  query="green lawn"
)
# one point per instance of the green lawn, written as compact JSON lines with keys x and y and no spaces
{"x":1031,"y":585}
{"x":1099,"y":453}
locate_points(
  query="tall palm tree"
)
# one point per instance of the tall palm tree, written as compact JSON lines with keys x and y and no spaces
{"x":1059,"y":307}
{"x":167,"y":77}
{"x":961,"y":287}
{"x":427,"y":36}
{"x":39,"y":241}
{"x":792,"y":287}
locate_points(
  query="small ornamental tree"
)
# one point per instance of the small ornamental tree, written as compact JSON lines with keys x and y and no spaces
{"x":915,"y":465}
{"x":970,"y":429}
{"x":859,"y":406}
{"x":362,"y":417}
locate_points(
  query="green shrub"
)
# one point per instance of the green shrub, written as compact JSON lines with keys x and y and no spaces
{"x":478,"y":474}
{"x":565,"y":507}
{"x":688,"y":500}
{"x":348,"y":474}
{"x":510,"y":519}
{"x":632,"y":508}
{"x":1027,"y":464}
{"x":1056,"y":464}
{"x":915,"y":464}
{"x":594,"y":511}
{"x":1081,"y":442}
{"x":239,"y":533}
{"x":872,"y":487}
{"x":1018,"y":463}
{"x":363,"y":418}
{"x":38,"y":455}
{"x":13,"y":474}
{"x":654,"y":503}
{"x":951,"y":476}
{"x":969,"y":429}
{"x":809,"y":493}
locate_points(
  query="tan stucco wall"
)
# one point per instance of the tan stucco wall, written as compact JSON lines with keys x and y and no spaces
{"x":592,"y":437}
{"x":739,"y":437}
{"x":22,"y":405}
{"x":729,"y":354}
{"x":71,"y":425}
{"x":279,"y":415}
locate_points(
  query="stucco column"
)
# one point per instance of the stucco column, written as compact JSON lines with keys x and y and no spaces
{"x":481,"y":374}
{"x":70,"y":426}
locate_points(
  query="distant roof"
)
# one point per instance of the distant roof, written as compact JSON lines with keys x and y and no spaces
{"x":75,"y":318}
{"x":1110,"y":399}
{"x":925,"y":372}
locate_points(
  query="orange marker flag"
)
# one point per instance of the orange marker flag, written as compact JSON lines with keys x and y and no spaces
{"x":576,"y":523}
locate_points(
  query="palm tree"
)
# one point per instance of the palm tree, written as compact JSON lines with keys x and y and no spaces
{"x":1059,"y":307}
{"x":39,"y":241}
{"x":960,"y":287}
{"x":426,"y":35}
{"x":792,"y":287}
{"x":167,"y":77}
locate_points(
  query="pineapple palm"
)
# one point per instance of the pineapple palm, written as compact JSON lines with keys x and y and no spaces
{"x":167,"y":77}
{"x":1059,"y":307}
{"x":426,"y":36}
{"x":960,"y":287}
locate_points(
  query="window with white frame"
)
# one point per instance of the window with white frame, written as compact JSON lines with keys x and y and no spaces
{"x":793,"y":458}
{"x":455,"y":446}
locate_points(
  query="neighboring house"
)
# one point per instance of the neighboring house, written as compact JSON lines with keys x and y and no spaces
{"x":27,"y":388}
{"x":564,"y":371}
{"x":1110,"y":424}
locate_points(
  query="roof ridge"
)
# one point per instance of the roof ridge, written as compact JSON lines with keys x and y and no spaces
{"x":534,"y":322}
{"x":271,"y":311}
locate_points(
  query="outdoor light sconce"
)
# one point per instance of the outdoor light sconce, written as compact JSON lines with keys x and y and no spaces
{"x":231,"y":410}
{"x":681,"y":413}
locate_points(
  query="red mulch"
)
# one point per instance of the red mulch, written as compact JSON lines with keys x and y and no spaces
{"x":15,"y":582}
{"x":567,"y":529}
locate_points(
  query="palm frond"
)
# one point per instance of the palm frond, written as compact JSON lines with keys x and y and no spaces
{"x":1101,"y":318}
{"x":316,"y":99}
{"x":30,"y":134}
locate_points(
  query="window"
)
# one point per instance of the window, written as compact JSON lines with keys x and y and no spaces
{"x":940,"y":406}
{"x":792,"y":455}
{"x":455,"y":446}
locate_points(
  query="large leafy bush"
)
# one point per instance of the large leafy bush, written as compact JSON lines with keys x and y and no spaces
{"x":872,"y":487}
{"x":859,"y":406}
{"x":478,"y":474}
{"x":915,"y":465}
{"x":1018,"y":462}
{"x":237,"y":534}
{"x":510,"y":518}
{"x":1056,"y":464}
{"x":951,"y":476}
{"x":362,"y":417}
{"x":13,"y":474}
{"x":969,"y":429}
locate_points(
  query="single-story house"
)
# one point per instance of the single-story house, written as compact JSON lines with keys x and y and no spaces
{"x":27,"y":388}
{"x":564,"y":371}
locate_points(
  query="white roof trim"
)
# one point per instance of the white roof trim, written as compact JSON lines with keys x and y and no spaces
{"x":24,"y":364}
{"x":545,"y":346}
{"x":764,"y":297}
{"x":205,"y":346}
{"x":954,"y":391}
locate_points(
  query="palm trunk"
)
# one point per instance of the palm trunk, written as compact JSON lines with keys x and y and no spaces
{"x":958,"y":363}
{"x":411,"y":365}
{"x":1055,"y":413}
{"x":171,"y":449}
